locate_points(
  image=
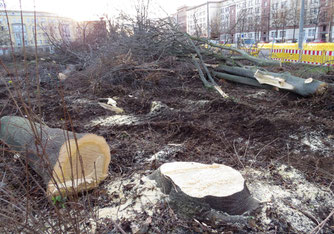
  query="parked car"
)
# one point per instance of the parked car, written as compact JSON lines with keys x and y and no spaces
{"x":248,"y":41}
{"x":318,"y":41}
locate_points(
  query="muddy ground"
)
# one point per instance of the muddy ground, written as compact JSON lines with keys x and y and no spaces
{"x":266,"y":134}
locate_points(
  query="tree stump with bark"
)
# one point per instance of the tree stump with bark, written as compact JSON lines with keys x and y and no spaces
{"x":195,"y":188}
{"x":68,"y":163}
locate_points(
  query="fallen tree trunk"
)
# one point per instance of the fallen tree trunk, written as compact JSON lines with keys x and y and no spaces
{"x":263,"y":79}
{"x":239,"y":71}
{"x":240,"y":79}
{"x":303,"y":87}
{"x":67,"y":163}
{"x":194,"y":187}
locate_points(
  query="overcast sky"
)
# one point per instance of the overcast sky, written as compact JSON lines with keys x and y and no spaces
{"x":89,"y":9}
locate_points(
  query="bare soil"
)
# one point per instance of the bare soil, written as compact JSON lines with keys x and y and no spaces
{"x":255,"y":129}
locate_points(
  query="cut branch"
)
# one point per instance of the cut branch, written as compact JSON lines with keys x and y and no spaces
{"x":243,"y":55}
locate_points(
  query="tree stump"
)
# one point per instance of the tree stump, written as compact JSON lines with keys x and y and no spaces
{"x":195,"y":187}
{"x":67,"y":163}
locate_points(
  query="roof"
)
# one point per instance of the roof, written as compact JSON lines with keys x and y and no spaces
{"x":208,"y":2}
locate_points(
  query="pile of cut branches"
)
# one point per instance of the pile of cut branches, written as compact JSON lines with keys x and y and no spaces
{"x":146,"y":46}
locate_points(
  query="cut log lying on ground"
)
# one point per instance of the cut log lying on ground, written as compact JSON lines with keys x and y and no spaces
{"x":263,"y":79}
{"x":240,"y":79}
{"x":193,"y":186}
{"x":293,"y":83}
{"x":67,"y":163}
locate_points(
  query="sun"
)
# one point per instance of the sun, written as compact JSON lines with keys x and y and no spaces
{"x":79,"y":10}
{"x":82,"y":10}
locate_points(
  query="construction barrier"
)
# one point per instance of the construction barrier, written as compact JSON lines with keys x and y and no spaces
{"x":252,"y":50}
{"x":313,"y":53}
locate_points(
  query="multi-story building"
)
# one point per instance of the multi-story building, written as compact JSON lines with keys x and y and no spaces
{"x":181,"y":18}
{"x":21,"y":31}
{"x":318,"y":19}
{"x":244,"y":19}
{"x":262,"y":20}
{"x":204,"y":19}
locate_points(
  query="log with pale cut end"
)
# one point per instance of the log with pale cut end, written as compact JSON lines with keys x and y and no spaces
{"x":292,"y":83}
{"x":57,"y":156}
{"x":263,"y":79}
{"x":201,"y":187}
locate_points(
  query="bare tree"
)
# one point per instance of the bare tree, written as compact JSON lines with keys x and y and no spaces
{"x":294,"y":17}
{"x":317,"y":15}
{"x":280,"y":18}
{"x":275,"y":22}
{"x":265,"y":23}
{"x":330,"y":19}
{"x":241,"y":24}
{"x":142,"y":15}
{"x":4,"y":36}
{"x":216,"y":25}
{"x":284,"y":20}
{"x":199,"y":29}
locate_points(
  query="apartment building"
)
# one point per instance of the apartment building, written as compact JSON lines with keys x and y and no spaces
{"x":318,"y":20}
{"x":181,"y":18}
{"x":241,"y":20}
{"x":23,"y":32}
{"x":262,"y":20}
{"x":204,"y":19}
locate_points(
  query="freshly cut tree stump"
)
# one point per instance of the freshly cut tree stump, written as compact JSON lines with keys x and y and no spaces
{"x":66,"y":165}
{"x":195,"y":187}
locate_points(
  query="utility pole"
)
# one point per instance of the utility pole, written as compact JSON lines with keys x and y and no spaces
{"x":301,"y":25}
{"x":331,"y":12}
{"x":208,"y":19}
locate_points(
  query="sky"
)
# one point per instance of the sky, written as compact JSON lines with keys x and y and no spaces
{"x":92,"y":9}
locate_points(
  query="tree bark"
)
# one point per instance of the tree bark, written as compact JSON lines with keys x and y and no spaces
{"x":67,"y":162}
{"x":240,"y":79}
{"x":303,"y":87}
{"x":263,"y":79}
{"x":196,"y":188}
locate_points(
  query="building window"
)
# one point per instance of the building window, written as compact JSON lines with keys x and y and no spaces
{"x":17,"y":31}
{"x":275,"y":6}
{"x":311,"y":32}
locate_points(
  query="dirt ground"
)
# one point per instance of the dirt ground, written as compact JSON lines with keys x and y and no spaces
{"x":256,"y":131}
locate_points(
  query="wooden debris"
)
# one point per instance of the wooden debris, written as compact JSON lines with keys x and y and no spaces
{"x":67,"y":162}
{"x":292,"y":83}
{"x":263,"y":78}
{"x":115,"y":109}
{"x":64,"y":74}
{"x":111,"y":105}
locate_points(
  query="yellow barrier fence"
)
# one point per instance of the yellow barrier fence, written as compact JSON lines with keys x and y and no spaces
{"x":313,"y":53}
